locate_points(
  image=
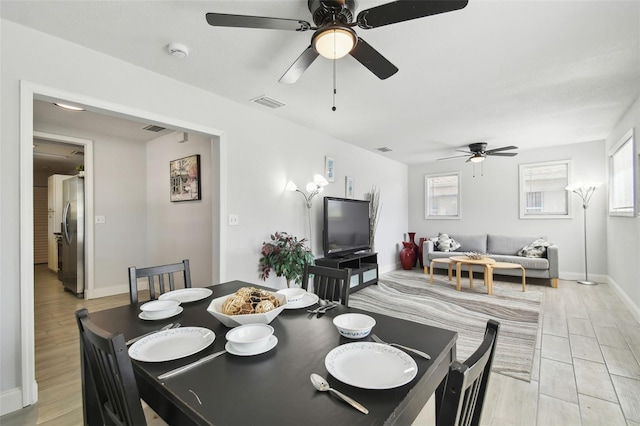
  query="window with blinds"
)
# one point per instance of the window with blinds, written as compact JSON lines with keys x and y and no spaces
{"x":623,"y":182}
{"x":442,"y":196}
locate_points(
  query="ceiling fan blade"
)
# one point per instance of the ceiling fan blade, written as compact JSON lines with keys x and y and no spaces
{"x":504,"y":148}
{"x":502,"y":154}
{"x":455,"y":156}
{"x":405,"y":10}
{"x":242,"y":21}
{"x":373,"y":60}
{"x":467,"y":152}
{"x":300,"y":65}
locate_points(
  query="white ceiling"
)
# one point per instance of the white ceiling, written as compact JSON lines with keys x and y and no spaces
{"x":526,"y":73}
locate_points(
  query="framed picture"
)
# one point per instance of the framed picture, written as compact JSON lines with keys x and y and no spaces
{"x":348,"y":187}
{"x":184,"y":174}
{"x":329,"y":169}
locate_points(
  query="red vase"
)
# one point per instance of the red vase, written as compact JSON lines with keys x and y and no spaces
{"x":420,"y":252}
{"x":408,"y":255}
{"x":416,"y":249}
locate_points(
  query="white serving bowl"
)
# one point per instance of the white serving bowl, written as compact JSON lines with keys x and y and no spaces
{"x":159,"y":308}
{"x":215,"y":309}
{"x":249,"y":337}
{"x":293,"y":294}
{"x":354,"y":326}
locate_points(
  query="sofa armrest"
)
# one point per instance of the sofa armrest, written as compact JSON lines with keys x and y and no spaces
{"x":427,"y":247}
{"x":553,"y":258}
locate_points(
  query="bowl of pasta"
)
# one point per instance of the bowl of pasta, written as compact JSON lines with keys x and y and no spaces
{"x":248,"y":305}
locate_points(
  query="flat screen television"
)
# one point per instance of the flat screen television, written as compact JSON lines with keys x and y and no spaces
{"x":346,"y":226}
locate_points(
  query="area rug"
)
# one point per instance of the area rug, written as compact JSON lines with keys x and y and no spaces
{"x":409,"y":295}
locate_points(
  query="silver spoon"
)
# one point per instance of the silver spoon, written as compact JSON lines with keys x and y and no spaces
{"x":322,"y":385}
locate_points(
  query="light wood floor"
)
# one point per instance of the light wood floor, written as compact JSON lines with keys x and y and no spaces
{"x":586,"y":368}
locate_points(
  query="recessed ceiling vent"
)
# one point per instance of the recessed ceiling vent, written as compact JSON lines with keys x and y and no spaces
{"x":77,"y":153}
{"x":268,"y":102}
{"x":153,"y":128}
{"x":384,"y":149}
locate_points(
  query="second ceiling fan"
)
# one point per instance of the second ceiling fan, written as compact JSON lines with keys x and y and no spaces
{"x":334,"y":36}
{"x":478,"y":152}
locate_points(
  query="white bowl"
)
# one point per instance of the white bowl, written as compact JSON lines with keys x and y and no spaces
{"x":215,"y":309}
{"x":159,"y":308}
{"x":293,"y":294}
{"x":354,"y":326}
{"x":249,"y":337}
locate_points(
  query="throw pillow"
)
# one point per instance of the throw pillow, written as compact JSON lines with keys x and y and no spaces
{"x":538,"y":248}
{"x":446,"y":243}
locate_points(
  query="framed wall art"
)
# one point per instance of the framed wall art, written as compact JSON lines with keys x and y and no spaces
{"x":184,"y":174}
{"x":348,"y":187}
{"x":329,"y":169}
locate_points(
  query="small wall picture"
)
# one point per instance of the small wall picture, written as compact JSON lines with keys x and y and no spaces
{"x":348,"y":187}
{"x":329,"y":169}
{"x":185,"y":178}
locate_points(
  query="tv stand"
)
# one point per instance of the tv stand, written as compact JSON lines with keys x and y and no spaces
{"x":364,"y":268}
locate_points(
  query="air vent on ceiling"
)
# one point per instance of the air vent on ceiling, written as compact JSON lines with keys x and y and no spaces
{"x":384,"y":149}
{"x":153,"y":128}
{"x":77,"y":153}
{"x":268,"y":102}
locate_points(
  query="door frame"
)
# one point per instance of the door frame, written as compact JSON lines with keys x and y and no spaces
{"x":28,"y":93}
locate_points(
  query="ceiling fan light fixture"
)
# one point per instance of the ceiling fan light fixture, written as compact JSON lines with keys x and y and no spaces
{"x":477,"y":158}
{"x":334,"y":42}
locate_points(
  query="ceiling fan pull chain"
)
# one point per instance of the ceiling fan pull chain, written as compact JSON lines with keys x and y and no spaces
{"x":334,"y":84}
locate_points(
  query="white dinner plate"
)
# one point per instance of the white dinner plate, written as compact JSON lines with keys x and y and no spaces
{"x":186,"y":295}
{"x":145,"y":316}
{"x":171,"y":344}
{"x":369,"y":365}
{"x":306,"y":301}
{"x":271,"y":343}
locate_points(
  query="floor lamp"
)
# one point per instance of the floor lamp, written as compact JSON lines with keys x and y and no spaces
{"x":314,"y":188}
{"x":584,"y":191}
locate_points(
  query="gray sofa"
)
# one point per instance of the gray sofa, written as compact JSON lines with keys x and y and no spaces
{"x":501,"y":248}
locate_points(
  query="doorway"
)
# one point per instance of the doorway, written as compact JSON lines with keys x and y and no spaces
{"x":29,"y":93}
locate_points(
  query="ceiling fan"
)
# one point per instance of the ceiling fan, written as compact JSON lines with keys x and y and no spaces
{"x":334,"y":36}
{"x":478,"y":152}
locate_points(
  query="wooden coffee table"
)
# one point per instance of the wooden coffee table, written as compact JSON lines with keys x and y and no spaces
{"x":441,"y":260}
{"x":464,"y":260}
{"x":503,"y":265}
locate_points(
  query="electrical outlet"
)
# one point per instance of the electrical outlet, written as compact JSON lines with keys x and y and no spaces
{"x":101,"y":219}
{"x":233,"y":220}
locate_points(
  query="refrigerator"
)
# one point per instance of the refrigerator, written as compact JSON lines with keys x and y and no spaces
{"x":73,"y":225}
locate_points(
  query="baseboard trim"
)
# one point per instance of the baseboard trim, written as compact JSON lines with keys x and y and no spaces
{"x":97,"y":293}
{"x":577,"y":276}
{"x":633,"y":308}
{"x":11,"y":400}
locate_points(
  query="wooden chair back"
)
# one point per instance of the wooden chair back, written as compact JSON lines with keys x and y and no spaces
{"x":467,"y":382}
{"x":160,"y":272}
{"x":110,"y":392}
{"x":328,"y":283}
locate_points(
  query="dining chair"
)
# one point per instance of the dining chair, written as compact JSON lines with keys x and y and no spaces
{"x":466,"y":383}
{"x":158,"y":271}
{"x":328,"y":283}
{"x":109,"y":390}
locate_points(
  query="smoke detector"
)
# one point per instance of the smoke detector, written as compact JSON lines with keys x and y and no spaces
{"x":178,"y":50}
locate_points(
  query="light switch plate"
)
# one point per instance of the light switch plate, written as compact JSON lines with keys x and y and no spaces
{"x":234,"y":220}
{"x":101,"y":219}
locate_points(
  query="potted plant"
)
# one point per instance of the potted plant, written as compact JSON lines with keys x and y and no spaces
{"x":286,"y":256}
{"x":80,"y":169}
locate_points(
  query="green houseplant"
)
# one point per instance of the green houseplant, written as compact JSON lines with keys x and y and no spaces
{"x":286,"y":256}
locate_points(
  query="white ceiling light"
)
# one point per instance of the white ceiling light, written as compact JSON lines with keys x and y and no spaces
{"x":334,"y":42}
{"x":477,"y":158}
{"x":178,"y":50}
{"x":68,"y":106}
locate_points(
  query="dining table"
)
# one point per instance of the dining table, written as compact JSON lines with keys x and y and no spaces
{"x":274,"y":388}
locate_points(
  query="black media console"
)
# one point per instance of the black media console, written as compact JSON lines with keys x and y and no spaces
{"x":364,"y":268}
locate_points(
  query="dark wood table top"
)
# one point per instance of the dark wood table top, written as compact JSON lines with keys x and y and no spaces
{"x":274,"y":388}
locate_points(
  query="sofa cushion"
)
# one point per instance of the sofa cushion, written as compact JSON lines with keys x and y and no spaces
{"x":510,"y":245}
{"x":446,"y":243}
{"x":537,"y":248}
{"x":527,"y":262}
{"x":477,"y":243}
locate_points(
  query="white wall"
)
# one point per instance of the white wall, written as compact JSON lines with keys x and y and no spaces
{"x":623,"y":233}
{"x":262,"y":153}
{"x":490,"y":204}
{"x":179,"y":230}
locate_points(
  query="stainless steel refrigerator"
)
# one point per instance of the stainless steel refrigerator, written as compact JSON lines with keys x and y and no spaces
{"x":73,"y":235}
